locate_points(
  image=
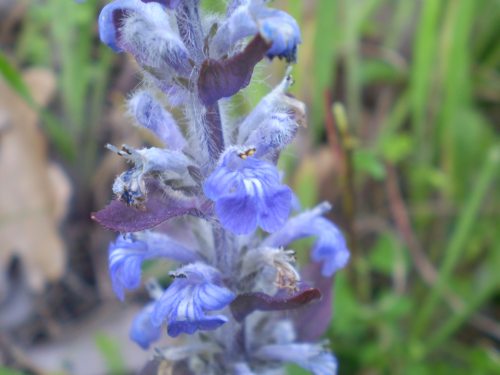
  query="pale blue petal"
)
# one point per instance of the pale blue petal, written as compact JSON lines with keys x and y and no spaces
{"x":143,"y":332}
{"x":248,"y":193}
{"x":277,"y":210}
{"x":195,"y":291}
{"x":127,"y":254}
{"x":330,"y":247}
{"x":108,"y":29}
{"x":237,"y":213}
{"x":150,"y":114}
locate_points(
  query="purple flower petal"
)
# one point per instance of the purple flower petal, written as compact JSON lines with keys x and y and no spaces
{"x":158,"y":208}
{"x":245,"y":304}
{"x":224,"y":78}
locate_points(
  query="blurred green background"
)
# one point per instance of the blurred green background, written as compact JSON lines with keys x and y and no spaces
{"x":402,"y":138}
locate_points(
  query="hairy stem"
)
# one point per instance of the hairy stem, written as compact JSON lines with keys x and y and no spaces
{"x":191,"y":32}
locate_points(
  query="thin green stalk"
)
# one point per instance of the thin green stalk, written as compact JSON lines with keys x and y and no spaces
{"x":453,"y":251}
{"x":422,"y":71}
{"x":327,"y":38}
{"x":402,"y":16}
{"x":352,"y":62}
{"x":457,"y":320}
{"x":361,"y":278}
{"x":394,"y":121}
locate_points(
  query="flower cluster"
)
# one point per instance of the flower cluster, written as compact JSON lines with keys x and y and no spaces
{"x":212,"y":200}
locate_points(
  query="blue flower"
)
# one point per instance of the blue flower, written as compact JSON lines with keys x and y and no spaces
{"x":144,"y":30}
{"x":330,"y":247}
{"x":250,"y":17}
{"x":312,"y":357}
{"x":143,"y":332}
{"x":281,"y":30}
{"x":248,"y":193}
{"x":108,"y":28}
{"x":127,"y":254}
{"x":195,"y":290}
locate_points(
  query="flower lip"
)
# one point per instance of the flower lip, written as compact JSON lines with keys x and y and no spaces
{"x":248,"y":192}
{"x":188,"y":302}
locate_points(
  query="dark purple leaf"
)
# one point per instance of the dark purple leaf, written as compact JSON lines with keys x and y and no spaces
{"x":159,"y":207}
{"x":224,"y":78}
{"x":312,"y":321}
{"x":247,"y":303}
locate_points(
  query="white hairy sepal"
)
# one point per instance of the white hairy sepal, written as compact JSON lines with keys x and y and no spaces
{"x":273,"y":103}
{"x":149,"y":36}
{"x":269,"y":269}
{"x":270,"y":329}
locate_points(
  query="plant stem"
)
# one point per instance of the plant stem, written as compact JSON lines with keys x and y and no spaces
{"x":191,"y":32}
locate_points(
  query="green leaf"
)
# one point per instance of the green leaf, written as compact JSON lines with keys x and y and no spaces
{"x":8,"y":371}
{"x":296,"y":370}
{"x":397,"y":148}
{"x":379,"y":71}
{"x":366,"y":161}
{"x":326,"y":43}
{"x":55,"y":130}
{"x":14,"y":79}
{"x":306,"y":183}
{"x":110,"y":351}
{"x":383,"y":255}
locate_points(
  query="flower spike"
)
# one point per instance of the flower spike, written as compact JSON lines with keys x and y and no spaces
{"x":211,"y":197}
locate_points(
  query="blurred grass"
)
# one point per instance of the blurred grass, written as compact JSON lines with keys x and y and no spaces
{"x":438,"y":131}
{"x":420,"y":83}
{"x":83,"y":70}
